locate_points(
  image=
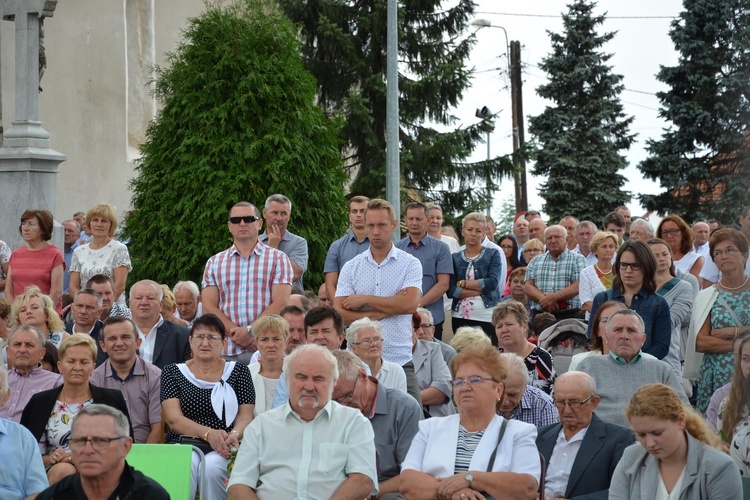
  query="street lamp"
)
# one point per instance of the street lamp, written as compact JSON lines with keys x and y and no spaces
{"x":513,"y":53}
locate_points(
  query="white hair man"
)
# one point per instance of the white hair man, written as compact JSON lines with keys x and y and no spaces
{"x":187,"y":296}
{"x":23,"y":473}
{"x":319,"y":449}
{"x":522,"y":401}
{"x":277,"y":212}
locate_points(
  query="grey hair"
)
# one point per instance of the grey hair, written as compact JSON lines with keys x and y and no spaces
{"x":588,"y":224}
{"x":3,"y":378}
{"x":78,"y":226}
{"x":92,"y":292}
{"x":278,"y":198}
{"x":153,"y":283}
{"x":586,"y":380}
{"x":556,"y":227}
{"x":28,"y":328}
{"x":361,"y":324}
{"x":515,"y":365}
{"x":312,"y":349}
{"x":122,"y":426}
{"x":349,"y":365}
{"x":645,"y":225}
{"x":190,"y":286}
{"x":426,"y":312}
{"x":627,"y":312}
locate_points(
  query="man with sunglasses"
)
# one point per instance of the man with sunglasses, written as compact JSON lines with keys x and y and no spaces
{"x":581,"y":451}
{"x":244,"y":282}
{"x":99,"y":443}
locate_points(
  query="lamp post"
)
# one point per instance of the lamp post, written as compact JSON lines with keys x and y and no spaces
{"x":393,"y":170}
{"x":513,"y":55}
{"x":484,"y":113}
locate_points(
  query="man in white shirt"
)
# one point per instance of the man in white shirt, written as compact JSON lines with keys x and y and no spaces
{"x":702,"y":233}
{"x":310,"y":447}
{"x":581,"y":451}
{"x":585,"y":231}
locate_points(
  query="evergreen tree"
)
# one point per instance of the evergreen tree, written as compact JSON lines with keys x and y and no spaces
{"x":582,"y":135}
{"x":345,"y":49}
{"x":238,"y":122}
{"x":702,"y":160}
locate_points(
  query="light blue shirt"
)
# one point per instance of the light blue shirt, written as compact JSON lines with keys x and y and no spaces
{"x":22,"y":471}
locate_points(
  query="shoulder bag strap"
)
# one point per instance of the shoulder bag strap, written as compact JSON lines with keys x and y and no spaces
{"x":724,"y":303}
{"x":491,"y":463}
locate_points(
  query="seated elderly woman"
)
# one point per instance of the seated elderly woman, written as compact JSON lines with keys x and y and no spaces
{"x":169,"y":307}
{"x":49,"y":413}
{"x":433,"y":375}
{"x":35,"y":309}
{"x":208,"y":401}
{"x":475,"y":454}
{"x":271,"y":333}
{"x":469,"y":336}
{"x":365,"y":339}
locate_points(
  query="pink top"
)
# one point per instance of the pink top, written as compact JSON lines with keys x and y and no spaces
{"x":35,"y":268}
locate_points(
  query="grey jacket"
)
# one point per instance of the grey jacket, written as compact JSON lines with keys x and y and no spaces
{"x":709,"y":474}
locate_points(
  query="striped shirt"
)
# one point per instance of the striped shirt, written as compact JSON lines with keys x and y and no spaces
{"x":245,"y":283}
{"x":467,"y":443}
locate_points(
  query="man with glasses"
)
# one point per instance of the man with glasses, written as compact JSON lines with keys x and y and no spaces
{"x":139,"y":380}
{"x":244,"y":282}
{"x":426,"y":332}
{"x":552,"y":278}
{"x":99,"y":443}
{"x":393,"y":414}
{"x":581,"y":450}
{"x":625,"y":369}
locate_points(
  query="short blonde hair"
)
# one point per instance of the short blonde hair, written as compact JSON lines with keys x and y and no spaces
{"x":534,"y":243}
{"x":107,"y":212}
{"x":168,"y":299}
{"x":474,"y":216}
{"x":469,"y":336}
{"x":599,"y":238}
{"x":54,"y":323}
{"x":381,"y":204}
{"x":78,"y":339}
{"x":270,"y":322}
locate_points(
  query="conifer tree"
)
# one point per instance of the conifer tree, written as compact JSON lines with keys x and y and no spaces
{"x":238,"y":122}
{"x":582,"y":135}
{"x":702,"y":159}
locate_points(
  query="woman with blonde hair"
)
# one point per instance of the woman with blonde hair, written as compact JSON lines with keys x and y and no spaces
{"x":531,"y":249}
{"x":598,"y":277}
{"x":169,"y":306}
{"x":271,"y":333}
{"x":678,"y":456}
{"x":36,"y":309}
{"x":103,"y":255}
{"x":468,"y":336}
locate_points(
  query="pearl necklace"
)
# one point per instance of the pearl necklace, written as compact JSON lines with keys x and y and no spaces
{"x":597,"y":268}
{"x":736,"y":288}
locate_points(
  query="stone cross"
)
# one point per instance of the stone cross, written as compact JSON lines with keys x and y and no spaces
{"x":26,"y":130}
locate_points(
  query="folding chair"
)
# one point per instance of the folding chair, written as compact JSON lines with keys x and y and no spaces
{"x":169,"y":465}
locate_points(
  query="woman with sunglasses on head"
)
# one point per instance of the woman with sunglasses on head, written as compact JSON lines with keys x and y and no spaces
{"x":477,"y":453}
{"x":677,"y":455}
{"x":209,"y":400}
{"x":634,"y":285}
{"x":720,"y":313}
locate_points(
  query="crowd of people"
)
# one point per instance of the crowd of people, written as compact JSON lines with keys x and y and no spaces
{"x":559,"y":361}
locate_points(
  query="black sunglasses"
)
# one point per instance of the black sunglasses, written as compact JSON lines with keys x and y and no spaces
{"x":248,"y":219}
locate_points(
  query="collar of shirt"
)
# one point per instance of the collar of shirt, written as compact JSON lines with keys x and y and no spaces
{"x":3,"y":426}
{"x":264,"y":237}
{"x":257,"y":249}
{"x":578,"y":436}
{"x":617,"y":293}
{"x":89,"y":332}
{"x":353,"y":237}
{"x":130,"y":375}
{"x":392,"y":254}
{"x":621,"y":361}
{"x":325,"y":411}
{"x":153,"y":328}
{"x":39,"y":369}
{"x":379,"y":405}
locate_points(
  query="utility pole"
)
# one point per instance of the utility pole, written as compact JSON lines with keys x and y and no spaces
{"x":522,"y":199}
{"x":393,"y":169}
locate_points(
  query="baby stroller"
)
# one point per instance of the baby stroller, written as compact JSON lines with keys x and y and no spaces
{"x":562,"y":340}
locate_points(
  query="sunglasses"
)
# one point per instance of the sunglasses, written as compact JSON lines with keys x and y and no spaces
{"x":248,"y":219}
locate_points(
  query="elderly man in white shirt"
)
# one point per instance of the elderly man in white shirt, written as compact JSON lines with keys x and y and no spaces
{"x":310,"y":447}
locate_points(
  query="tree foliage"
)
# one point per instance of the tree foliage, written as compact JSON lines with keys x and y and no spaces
{"x":344,"y":43}
{"x":582,"y":135}
{"x":238,"y":122}
{"x":702,"y":159}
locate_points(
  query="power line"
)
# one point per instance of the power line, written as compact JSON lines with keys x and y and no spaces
{"x":557,"y":16}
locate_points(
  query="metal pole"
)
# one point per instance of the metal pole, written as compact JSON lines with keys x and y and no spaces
{"x":393,"y":171}
{"x":489,"y":178}
{"x":522,"y":199}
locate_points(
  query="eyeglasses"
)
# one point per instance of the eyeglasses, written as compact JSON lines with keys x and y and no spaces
{"x":728,"y":251}
{"x":426,"y":326}
{"x":248,"y":219}
{"x":634,"y":266}
{"x":97,"y":443}
{"x":670,"y":232}
{"x":211,"y":338}
{"x":573,"y":403}
{"x":375,"y":340}
{"x":506,"y":247}
{"x":475,"y":379}
{"x":349,"y":396}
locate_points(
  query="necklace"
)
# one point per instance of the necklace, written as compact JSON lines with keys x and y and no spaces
{"x":597,"y":268}
{"x":736,"y":288}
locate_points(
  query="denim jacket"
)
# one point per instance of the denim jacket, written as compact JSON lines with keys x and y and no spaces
{"x":655,"y":313}
{"x":487,"y":269}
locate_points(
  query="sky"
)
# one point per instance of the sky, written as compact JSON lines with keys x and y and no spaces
{"x":640,"y":46}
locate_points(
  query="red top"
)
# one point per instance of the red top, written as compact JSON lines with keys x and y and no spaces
{"x":35,"y":268}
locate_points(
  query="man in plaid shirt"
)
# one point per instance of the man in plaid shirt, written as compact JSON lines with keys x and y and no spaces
{"x":244,"y":282}
{"x":552,"y":278}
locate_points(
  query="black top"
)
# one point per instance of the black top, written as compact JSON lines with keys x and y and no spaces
{"x":36,"y":414}
{"x":133,"y":484}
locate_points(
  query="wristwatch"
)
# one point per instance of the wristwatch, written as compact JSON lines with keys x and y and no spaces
{"x":469,"y":478}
